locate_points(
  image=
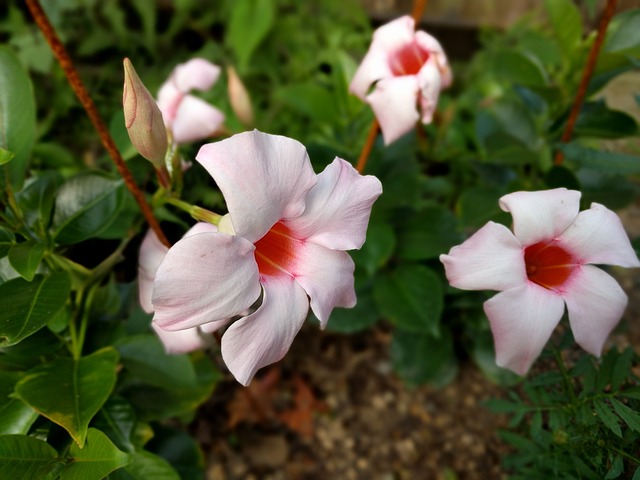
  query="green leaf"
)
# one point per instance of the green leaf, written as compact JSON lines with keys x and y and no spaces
{"x":179,"y":449}
{"x":636,"y":475}
{"x":349,"y":320}
{"x":630,"y":416}
{"x":560,"y":176}
{"x":411,"y":297}
{"x":5,"y":156}
{"x":32,"y":305}
{"x":608,"y":162}
{"x":36,"y":200}
{"x":607,"y":416}
{"x":15,"y":416}
{"x":70,"y":392}
{"x":478,"y":205}
{"x":378,"y":248}
{"x":117,"y":420}
{"x":428,"y":234}
{"x":7,"y":240}
{"x":145,"y":465}
{"x":596,"y":120}
{"x":310,"y":99}
{"x":519,"y":68}
{"x":25,"y":458}
{"x":145,"y":358}
{"x":85,"y":206}
{"x":617,"y":467}
{"x":25,"y":258}
{"x":420,"y":357}
{"x":17,"y":117}
{"x":567,"y":24}
{"x":250,"y":22}
{"x":626,"y":37}
{"x":96,"y":459}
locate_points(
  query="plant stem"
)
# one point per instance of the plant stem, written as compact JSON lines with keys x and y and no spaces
{"x":196,"y":212}
{"x":366,"y":150}
{"x":82,"y":93}
{"x":565,"y":376}
{"x":418,"y":9}
{"x":586,"y":76}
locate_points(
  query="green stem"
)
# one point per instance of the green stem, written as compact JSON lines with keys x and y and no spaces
{"x":84,"y":318}
{"x":196,"y":212}
{"x":565,"y":376}
{"x":626,"y":455}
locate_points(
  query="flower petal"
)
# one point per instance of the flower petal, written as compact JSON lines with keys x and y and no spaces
{"x":169,"y":98}
{"x":327,"y":277}
{"x":265,"y":336}
{"x":491,"y":259}
{"x":542,"y":215}
{"x":376,"y":65}
{"x":522,"y":320}
{"x":338,"y":208}
{"x":152,"y":253}
{"x":394,"y":102}
{"x":595,"y":303}
{"x":182,"y":341}
{"x":195,"y":120}
{"x":597,"y":236}
{"x":264,"y":178}
{"x":196,"y":74}
{"x":205,"y":278}
{"x":430,"y":80}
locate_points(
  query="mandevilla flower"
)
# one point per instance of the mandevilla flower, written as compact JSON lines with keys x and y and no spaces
{"x":142,"y":118}
{"x":543,"y":265}
{"x":187,"y":117}
{"x":407,"y":70}
{"x":283,"y":239}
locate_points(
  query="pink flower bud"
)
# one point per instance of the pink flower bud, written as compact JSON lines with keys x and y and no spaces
{"x":143,"y":118}
{"x":239,"y":98}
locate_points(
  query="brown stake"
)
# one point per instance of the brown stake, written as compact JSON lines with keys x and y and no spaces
{"x":81,"y":92}
{"x":586,"y":76}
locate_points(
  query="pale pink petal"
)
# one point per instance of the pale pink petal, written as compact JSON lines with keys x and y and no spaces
{"x":542,"y":215}
{"x":205,"y":278}
{"x":169,"y":98}
{"x":327,"y":277}
{"x":595,"y":303}
{"x":196,"y":74}
{"x":195,"y":120}
{"x":491,"y":259}
{"x":217,"y":325}
{"x":182,"y":341}
{"x":338,"y":208}
{"x":200,"y":227}
{"x":375,"y":65}
{"x":265,"y":336}
{"x":264,"y":178}
{"x":522,"y":320}
{"x":152,"y":253}
{"x":430,"y":80}
{"x":430,"y":44}
{"x":395,"y":104}
{"x":597,"y":236}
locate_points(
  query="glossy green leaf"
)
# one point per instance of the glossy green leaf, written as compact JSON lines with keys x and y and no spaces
{"x":7,"y":240}
{"x":626,"y":38}
{"x":117,"y":420}
{"x":311,"y":100}
{"x":144,"y":357}
{"x":25,"y":258}
{"x":596,"y":120}
{"x":15,"y":416}
{"x":70,"y":392}
{"x":145,"y":465}
{"x":428,"y":234}
{"x":251,"y":21}
{"x":179,"y":449}
{"x":377,"y":249}
{"x":17,"y":117}
{"x":96,"y":459}
{"x":5,"y":156}
{"x":411,"y":297}
{"x":516,"y":67}
{"x":422,"y":358}
{"x":32,"y":305}
{"x":609,"y":162}
{"x":36,"y":200}
{"x":566,"y":21}
{"x":86,"y":205}
{"x":25,"y":458}
{"x":478,"y":205}
{"x":349,"y":320}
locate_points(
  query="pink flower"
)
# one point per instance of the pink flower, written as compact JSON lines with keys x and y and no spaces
{"x":283,"y":244}
{"x":190,"y":118}
{"x":545,"y":264}
{"x":407,"y":70}
{"x":152,"y":253}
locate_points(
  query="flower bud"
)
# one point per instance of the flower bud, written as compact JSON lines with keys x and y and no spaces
{"x":143,"y":118}
{"x":239,"y":98}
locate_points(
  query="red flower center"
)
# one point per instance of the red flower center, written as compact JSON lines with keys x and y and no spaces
{"x":275,"y":252}
{"x":549,"y":265}
{"x":408,"y":60}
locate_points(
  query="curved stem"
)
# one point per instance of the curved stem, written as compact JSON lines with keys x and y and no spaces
{"x":418,"y":10}
{"x":198,"y":213}
{"x":586,"y":76}
{"x":366,"y":150}
{"x":82,"y":93}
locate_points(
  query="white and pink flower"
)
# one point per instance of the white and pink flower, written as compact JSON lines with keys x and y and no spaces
{"x":187,"y":117}
{"x":282,"y":244}
{"x":545,"y":263}
{"x":407,"y":70}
